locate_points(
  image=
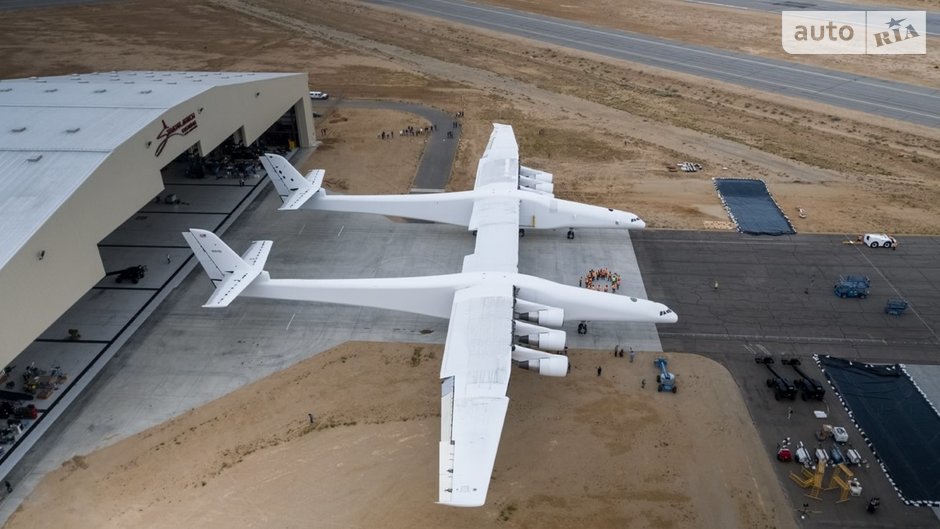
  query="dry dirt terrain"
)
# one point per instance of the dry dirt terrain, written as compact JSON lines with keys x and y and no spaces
{"x":611,"y":131}
{"x":582,"y":451}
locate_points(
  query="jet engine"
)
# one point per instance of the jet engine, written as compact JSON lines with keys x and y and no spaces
{"x":540,"y":314}
{"x":535,"y":174}
{"x":542,"y":337}
{"x":537,"y":185}
{"x":546,"y":364}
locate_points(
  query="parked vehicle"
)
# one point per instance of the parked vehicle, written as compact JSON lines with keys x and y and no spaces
{"x":882,"y":240}
{"x":895,"y":306}
{"x":852,"y":287}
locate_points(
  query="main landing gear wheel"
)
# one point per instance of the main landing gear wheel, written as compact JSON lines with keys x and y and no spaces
{"x":570,"y":234}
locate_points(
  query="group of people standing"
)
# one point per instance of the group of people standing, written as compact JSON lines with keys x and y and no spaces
{"x":410,"y":130}
{"x":609,"y":281}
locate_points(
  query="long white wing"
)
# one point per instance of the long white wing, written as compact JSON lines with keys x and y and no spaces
{"x":496,"y":222}
{"x":474,"y":378}
{"x":500,"y":161}
{"x":495,"y":215}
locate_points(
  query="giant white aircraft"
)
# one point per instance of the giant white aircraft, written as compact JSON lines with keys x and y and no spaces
{"x":532,"y":189}
{"x":498,"y":317}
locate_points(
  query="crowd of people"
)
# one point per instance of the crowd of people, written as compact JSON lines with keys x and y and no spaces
{"x":410,"y":130}
{"x":601,"y":279}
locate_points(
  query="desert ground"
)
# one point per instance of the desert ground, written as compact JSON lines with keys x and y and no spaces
{"x":610,"y":131}
{"x":598,"y":452}
{"x":579,"y":451}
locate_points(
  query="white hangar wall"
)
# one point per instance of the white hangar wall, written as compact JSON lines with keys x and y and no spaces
{"x":79,"y":156}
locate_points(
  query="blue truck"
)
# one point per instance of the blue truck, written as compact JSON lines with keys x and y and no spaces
{"x":852,"y":287}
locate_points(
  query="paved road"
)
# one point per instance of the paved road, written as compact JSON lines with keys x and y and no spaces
{"x":884,"y":98}
{"x":776,"y":6}
{"x":436,"y":163}
{"x":775,"y":294}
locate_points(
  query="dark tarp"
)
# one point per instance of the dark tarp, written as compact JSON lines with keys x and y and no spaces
{"x":897,"y":421}
{"x":751,"y":207}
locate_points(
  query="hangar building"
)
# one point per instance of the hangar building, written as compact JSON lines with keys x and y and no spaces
{"x":80,"y":154}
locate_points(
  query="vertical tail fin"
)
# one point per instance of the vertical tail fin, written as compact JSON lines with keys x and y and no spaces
{"x":293,"y":188}
{"x":229,"y":273}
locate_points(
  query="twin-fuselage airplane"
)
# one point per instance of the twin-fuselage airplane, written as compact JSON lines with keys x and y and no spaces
{"x":498,"y":317}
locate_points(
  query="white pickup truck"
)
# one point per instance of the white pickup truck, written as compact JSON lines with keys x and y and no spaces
{"x":883,"y":240}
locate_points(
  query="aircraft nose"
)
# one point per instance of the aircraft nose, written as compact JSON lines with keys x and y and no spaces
{"x":639,"y":224}
{"x":666,"y":315}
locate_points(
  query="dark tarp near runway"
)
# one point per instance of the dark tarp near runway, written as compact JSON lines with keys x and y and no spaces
{"x":897,"y":421}
{"x":751,"y":207}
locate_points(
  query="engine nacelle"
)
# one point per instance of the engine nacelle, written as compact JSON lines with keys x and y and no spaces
{"x":535,"y":174}
{"x":555,"y":366}
{"x":536,"y":185}
{"x":546,"y":364}
{"x":541,"y":337}
{"x":540,"y":314}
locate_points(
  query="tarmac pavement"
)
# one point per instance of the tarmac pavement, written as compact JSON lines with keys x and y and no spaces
{"x":775,"y":296}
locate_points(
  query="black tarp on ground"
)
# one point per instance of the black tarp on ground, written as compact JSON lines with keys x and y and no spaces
{"x":897,"y":421}
{"x":751,"y":207}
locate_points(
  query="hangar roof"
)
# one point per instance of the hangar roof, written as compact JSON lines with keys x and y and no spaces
{"x":72,"y":123}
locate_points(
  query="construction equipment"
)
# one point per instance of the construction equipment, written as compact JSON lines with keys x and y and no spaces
{"x":835,"y":455}
{"x":895,"y":306}
{"x":809,"y":387}
{"x":782,"y":387}
{"x":784,"y":454}
{"x":803,"y":456}
{"x":811,"y":480}
{"x":837,"y":433}
{"x":852,"y":287}
{"x":852,"y":457}
{"x":665,"y":380}
{"x":843,"y":479}
{"x":131,"y":273}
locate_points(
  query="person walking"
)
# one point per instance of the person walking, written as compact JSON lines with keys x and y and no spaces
{"x":632,"y":354}
{"x":599,"y":370}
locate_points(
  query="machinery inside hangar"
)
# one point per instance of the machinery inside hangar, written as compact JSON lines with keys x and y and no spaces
{"x":100,"y":171}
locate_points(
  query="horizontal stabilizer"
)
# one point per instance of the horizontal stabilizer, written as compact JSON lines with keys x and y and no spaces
{"x":293,"y":188}
{"x":229,"y":273}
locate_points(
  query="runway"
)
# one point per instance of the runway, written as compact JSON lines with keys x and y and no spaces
{"x":776,"y":6}
{"x":775,"y":295}
{"x":889,"y":99}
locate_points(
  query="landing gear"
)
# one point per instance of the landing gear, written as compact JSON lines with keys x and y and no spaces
{"x":571,"y":234}
{"x":582,"y":328}
{"x":521,"y":232}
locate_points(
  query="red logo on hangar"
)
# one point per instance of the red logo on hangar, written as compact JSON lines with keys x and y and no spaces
{"x":180,"y":128}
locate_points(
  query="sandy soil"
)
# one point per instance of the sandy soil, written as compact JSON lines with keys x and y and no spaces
{"x":610,"y":131}
{"x":579,"y":451}
{"x":390,"y":165}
